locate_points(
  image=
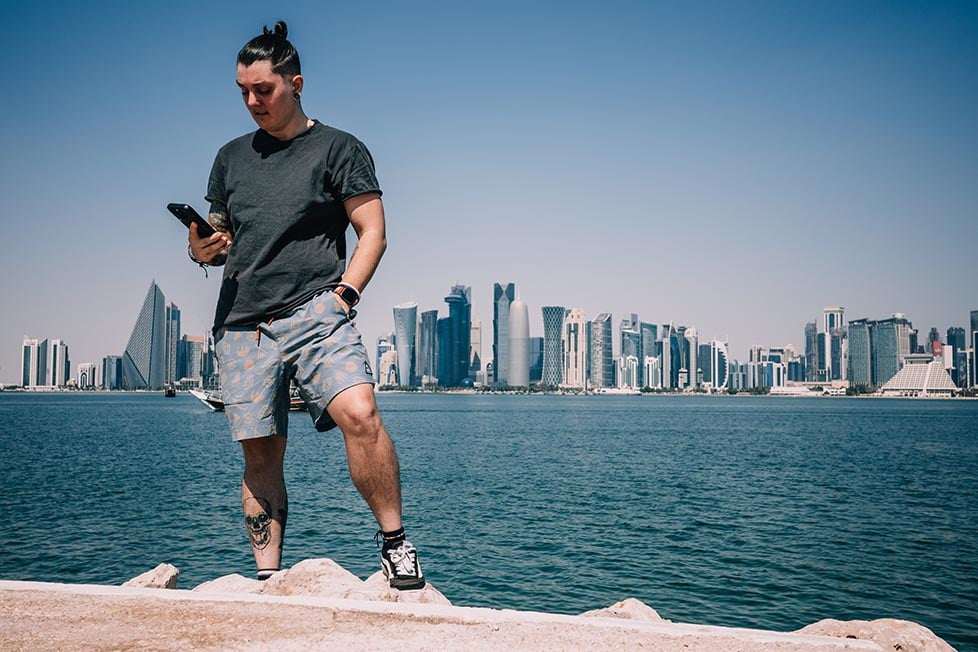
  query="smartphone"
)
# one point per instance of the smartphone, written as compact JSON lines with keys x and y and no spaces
{"x":186,"y":214}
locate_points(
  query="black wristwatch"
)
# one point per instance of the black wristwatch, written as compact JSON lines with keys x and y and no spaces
{"x":349,"y":294}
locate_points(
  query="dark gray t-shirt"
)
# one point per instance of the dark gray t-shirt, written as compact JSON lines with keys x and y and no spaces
{"x":287,"y":219}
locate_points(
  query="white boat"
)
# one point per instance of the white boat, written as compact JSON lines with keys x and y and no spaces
{"x":213,"y":400}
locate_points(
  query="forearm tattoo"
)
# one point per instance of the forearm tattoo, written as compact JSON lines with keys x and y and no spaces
{"x":220,"y":221}
{"x":260,"y":523}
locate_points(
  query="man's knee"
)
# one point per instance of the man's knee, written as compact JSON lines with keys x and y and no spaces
{"x":355,"y":412}
{"x":264,"y":453}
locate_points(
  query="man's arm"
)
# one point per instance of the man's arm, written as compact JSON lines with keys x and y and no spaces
{"x":366,"y":214}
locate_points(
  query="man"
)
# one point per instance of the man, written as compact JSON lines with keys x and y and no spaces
{"x":281,"y":199}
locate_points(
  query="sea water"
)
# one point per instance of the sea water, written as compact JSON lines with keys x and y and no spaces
{"x":741,"y":511}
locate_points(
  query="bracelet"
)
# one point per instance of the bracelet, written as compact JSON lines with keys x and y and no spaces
{"x":202,"y":264}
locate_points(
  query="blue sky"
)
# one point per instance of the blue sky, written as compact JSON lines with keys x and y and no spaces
{"x":733,"y":166}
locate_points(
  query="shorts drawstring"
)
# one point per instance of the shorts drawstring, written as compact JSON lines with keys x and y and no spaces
{"x":258,"y":331}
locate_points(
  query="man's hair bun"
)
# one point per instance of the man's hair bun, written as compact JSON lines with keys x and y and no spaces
{"x":281,"y":30}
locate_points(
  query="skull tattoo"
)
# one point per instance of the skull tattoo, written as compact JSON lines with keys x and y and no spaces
{"x":259,"y":529}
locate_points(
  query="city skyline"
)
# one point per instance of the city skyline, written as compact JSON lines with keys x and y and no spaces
{"x":407,"y":316}
{"x":736,"y":168}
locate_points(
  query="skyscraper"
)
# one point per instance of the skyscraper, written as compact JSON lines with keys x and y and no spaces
{"x":692,"y":347}
{"x":833,"y":334}
{"x":112,"y":372}
{"x":957,"y":339}
{"x":719,"y":365}
{"x":576,"y":347}
{"x":193,"y":357}
{"x":428,"y":346}
{"x":630,"y":344}
{"x":30,"y":362}
{"x":502,"y":297}
{"x":446,"y":367}
{"x":144,"y":361}
{"x":890,"y":340}
{"x":553,"y":326}
{"x":536,"y":359}
{"x":811,"y":351}
{"x":172,"y":342}
{"x":475,"y":349}
{"x":385,"y":343}
{"x":458,"y":345}
{"x":665,"y":368}
{"x":680,"y":358}
{"x":60,"y":365}
{"x":602,"y":357}
{"x":704,"y":358}
{"x":519,"y":344}
{"x":860,"y":353}
{"x":405,"y":331}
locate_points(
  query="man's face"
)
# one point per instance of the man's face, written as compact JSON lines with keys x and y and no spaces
{"x":268,"y":96}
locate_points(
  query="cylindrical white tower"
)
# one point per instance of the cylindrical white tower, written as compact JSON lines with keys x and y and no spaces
{"x":519,"y":344}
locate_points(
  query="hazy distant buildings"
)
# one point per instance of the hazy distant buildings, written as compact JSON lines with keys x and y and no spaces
{"x":719,"y":366}
{"x":518,"y":330}
{"x":553,"y":326}
{"x":502,"y":297}
{"x":405,"y":332}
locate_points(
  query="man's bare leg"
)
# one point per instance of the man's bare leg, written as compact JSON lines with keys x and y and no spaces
{"x":264,"y":500}
{"x":370,"y":453}
{"x":377,"y":476}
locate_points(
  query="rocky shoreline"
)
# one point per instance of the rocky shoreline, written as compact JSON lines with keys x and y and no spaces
{"x":317,"y":604}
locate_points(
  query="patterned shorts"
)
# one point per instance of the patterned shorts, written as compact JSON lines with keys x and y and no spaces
{"x":317,"y":345}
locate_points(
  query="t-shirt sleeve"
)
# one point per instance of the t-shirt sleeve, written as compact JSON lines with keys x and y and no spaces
{"x":353,"y":173}
{"x":216,"y":187}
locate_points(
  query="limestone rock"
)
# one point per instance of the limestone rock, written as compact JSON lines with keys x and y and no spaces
{"x":630,"y":609}
{"x":163,"y":576}
{"x":376,"y":588}
{"x":889,"y":633}
{"x":320,"y":577}
{"x":231,"y":584}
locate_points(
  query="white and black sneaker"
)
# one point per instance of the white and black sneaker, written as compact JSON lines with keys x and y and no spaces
{"x":401,"y":568}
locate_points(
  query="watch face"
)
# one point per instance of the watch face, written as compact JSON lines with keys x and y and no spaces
{"x":348,"y":294}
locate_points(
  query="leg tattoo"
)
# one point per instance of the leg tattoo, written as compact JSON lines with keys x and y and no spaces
{"x":259,"y":523}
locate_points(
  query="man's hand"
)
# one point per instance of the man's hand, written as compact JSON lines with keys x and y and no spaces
{"x":207,"y":249}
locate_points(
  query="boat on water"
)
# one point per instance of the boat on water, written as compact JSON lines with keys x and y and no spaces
{"x":212,"y":399}
{"x":169,"y":391}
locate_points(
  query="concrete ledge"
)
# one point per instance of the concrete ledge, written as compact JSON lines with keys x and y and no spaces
{"x":46,"y":616}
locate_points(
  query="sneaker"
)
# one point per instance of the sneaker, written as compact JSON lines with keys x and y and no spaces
{"x":401,"y":567}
